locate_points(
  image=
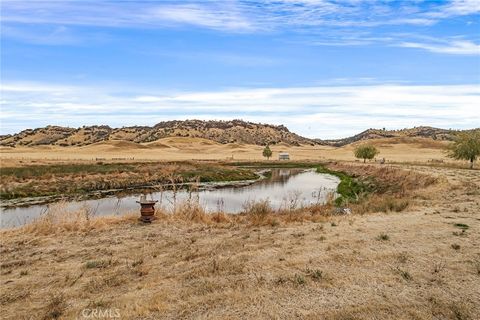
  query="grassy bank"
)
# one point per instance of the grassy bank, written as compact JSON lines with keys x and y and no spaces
{"x":367,"y":188}
{"x":77,"y":179}
{"x":350,"y":189}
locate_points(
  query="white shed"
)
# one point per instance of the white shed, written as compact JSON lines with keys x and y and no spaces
{"x":283,"y":156}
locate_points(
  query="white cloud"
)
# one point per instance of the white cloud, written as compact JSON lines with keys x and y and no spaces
{"x":457,"y":8}
{"x":32,"y":87}
{"x":322,"y":111}
{"x":147,"y":99}
{"x":194,"y":14}
{"x":454,"y":47}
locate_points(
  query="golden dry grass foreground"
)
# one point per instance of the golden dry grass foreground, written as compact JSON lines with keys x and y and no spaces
{"x":422,"y":263}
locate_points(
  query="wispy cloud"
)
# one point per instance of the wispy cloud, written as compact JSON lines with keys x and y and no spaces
{"x":55,"y":35}
{"x":315,"y":22}
{"x":50,"y":36}
{"x":235,"y":16}
{"x":214,"y":15}
{"x":322,"y":111}
{"x":455,"y":47}
{"x":456,"y":8}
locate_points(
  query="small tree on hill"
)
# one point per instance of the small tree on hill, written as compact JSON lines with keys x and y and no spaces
{"x":366,"y":152}
{"x":267,"y":153}
{"x":466,"y":147}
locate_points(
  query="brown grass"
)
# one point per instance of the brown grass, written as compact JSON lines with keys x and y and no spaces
{"x":309,"y":264}
{"x":181,"y":149}
{"x":55,"y":220}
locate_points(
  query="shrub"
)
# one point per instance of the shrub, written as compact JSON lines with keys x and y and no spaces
{"x":366,"y":152}
{"x":462,"y":226}
{"x":455,"y":246}
{"x":466,"y":147}
{"x":299,"y":279}
{"x":316,"y":274}
{"x":267,"y":153}
{"x":383,"y":237}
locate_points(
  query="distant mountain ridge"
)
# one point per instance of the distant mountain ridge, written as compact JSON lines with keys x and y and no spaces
{"x":416,"y":132}
{"x":234,"y":131}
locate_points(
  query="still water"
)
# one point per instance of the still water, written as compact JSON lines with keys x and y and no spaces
{"x":286,"y":188}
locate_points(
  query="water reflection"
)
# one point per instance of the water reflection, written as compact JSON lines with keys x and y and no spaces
{"x":286,"y":188}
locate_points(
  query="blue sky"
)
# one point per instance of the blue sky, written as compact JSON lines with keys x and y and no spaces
{"x":323,"y":68}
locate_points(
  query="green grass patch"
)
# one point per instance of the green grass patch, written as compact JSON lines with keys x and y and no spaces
{"x":350,"y":189}
{"x":462,"y":226}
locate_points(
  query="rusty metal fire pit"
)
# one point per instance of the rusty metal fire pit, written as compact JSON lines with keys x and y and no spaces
{"x":147,"y":209}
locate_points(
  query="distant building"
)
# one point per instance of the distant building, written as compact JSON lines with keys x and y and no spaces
{"x":283,"y":156}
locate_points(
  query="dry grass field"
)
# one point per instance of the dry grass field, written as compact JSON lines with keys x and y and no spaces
{"x":181,"y":148}
{"x":419,"y":263}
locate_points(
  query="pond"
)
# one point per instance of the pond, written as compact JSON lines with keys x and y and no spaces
{"x":285,"y":188}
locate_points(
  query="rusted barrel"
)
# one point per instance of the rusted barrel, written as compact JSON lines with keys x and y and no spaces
{"x":147,"y":209}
